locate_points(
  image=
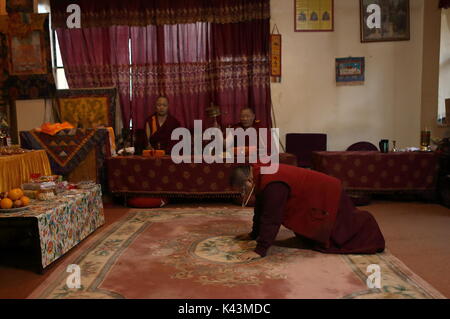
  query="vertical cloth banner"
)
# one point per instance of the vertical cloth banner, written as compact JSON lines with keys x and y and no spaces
{"x":275,"y":56}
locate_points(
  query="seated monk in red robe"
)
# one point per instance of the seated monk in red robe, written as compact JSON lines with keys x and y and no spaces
{"x":160,"y":125}
{"x":248,"y":120}
{"x":311,"y":204}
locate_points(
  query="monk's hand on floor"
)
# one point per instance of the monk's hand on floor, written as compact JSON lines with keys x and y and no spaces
{"x":243,"y":237}
{"x":250,"y":255}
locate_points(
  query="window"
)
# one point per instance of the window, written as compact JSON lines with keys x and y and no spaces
{"x":58,"y":67}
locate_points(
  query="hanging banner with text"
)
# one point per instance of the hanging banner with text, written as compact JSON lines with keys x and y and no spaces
{"x":275,"y":57}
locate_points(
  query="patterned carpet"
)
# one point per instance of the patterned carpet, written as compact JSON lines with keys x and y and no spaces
{"x":191,"y":253}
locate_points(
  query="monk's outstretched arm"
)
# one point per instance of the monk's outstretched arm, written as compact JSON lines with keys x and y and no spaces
{"x":274,"y":200}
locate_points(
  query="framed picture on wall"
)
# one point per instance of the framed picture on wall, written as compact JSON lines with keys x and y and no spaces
{"x":27,"y":54}
{"x":314,"y":15}
{"x":384,"y":20}
{"x":350,"y":71}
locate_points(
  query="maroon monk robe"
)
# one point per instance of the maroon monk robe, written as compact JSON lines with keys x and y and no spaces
{"x":160,"y":136}
{"x":256,"y":125}
{"x":351,"y":231}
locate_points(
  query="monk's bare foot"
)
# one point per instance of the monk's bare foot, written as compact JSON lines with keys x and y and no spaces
{"x":243,"y":237}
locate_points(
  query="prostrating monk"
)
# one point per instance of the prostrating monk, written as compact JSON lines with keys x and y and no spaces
{"x":311,"y":204}
{"x":160,"y":125}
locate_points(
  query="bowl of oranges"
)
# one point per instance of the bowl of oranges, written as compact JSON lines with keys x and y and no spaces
{"x":13,"y":201}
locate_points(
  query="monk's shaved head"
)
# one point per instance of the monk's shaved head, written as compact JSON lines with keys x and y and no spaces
{"x":247,"y":109}
{"x":247,"y":117}
{"x":240,"y":175}
{"x":162,"y":105}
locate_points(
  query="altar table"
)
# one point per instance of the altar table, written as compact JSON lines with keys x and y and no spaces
{"x":16,"y":169}
{"x":376,"y":172}
{"x":58,"y":225}
{"x":160,"y":176}
{"x":77,"y":154}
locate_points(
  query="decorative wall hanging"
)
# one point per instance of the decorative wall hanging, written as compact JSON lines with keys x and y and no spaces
{"x":275,"y":56}
{"x":350,"y":71}
{"x":384,"y":20}
{"x":314,"y":15}
{"x":27,"y":55}
{"x":26,"y":70}
{"x":87,"y":108}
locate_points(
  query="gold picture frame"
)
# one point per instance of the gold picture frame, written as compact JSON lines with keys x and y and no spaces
{"x":314,"y":15}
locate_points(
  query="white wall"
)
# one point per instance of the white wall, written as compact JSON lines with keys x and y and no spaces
{"x":388,"y":105}
{"x":32,"y":114}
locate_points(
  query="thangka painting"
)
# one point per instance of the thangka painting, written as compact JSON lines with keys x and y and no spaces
{"x":87,"y":108}
{"x":350,"y":71}
{"x":25,"y":59}
{"x":314,"y":15}
{"x":28,"y":54}
{"x":384,"y":20}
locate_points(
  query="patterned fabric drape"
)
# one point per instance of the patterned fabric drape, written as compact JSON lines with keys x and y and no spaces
{"x":197,"y":64}
{"x":196,"y":52}
{"x":105,"y":13}
{"x":444,"y":4}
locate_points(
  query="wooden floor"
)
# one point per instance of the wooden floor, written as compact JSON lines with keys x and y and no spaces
{"x":417,"y":233}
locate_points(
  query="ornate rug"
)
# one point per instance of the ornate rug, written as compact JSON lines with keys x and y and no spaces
{"x":190,"y":253}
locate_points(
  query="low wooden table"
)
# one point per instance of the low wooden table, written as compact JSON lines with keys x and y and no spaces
{"x":160,"y":176}
{"x":375,"y":172}
{"x":52,"y":228}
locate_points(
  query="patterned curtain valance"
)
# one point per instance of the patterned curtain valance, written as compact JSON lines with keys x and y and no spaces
{"x":444,"y":4}
{"x":105,"y":13}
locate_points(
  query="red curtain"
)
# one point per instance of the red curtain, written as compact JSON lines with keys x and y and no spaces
{"x":196,"y":52}
{"x":170,"y":60}
{"x":195,"y":65}
{"x":98,"y":57}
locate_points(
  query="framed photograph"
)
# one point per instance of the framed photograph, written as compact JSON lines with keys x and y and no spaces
{"x":350,"y":71}
{"x":384,"y":20}
{"x":314,"y":15}
{"x":27,"y":55}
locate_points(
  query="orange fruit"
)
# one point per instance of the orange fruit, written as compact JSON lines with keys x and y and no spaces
{"x":25,"y":200}
{"x":18,"y":203}
{"x":15,"y":194}
{"x":6,"y":203}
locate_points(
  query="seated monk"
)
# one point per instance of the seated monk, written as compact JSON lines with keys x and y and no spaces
{"x":247,"y":120}
{"x":160,"y":125}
